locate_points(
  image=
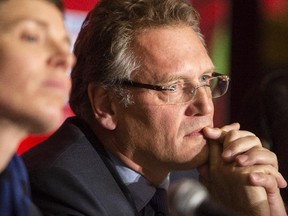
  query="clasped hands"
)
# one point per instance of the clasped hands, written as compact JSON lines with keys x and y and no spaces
{"x":241,"y":173}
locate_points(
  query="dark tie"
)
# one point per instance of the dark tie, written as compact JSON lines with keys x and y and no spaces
{"x":159,"y":202}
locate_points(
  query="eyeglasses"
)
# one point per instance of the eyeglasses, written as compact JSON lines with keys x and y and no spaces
{"x":182,"y":92}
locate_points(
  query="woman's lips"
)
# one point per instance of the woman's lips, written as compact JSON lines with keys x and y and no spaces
{"x":55,"y":84}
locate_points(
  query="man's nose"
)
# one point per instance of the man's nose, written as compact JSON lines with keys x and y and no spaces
{"x":202,"y":100}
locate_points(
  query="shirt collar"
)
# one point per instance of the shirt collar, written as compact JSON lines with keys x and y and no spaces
{"x":140,"y":188}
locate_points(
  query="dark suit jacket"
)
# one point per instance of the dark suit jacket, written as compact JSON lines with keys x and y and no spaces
{"x":71,"y":174}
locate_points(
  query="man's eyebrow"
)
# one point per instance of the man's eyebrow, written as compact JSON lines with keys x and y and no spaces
{"x":210,"y":70}
{"x":180,"y":77}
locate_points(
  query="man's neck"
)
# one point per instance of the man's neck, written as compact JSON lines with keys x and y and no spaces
{"x":153,"y":175}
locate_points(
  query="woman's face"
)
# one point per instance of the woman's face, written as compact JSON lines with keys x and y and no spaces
{"x":35,"y":60}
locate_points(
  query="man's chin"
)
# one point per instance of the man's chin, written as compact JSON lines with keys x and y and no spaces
{"x":198,"y":161}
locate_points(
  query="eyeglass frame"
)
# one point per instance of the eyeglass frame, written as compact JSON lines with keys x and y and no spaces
{"x":134,"y":84}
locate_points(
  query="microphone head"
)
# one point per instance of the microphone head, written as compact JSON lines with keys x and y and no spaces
{"x":185,"y":196}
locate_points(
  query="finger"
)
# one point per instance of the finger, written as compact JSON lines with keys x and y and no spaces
{"x":219,"y":133}
{"x":238,"y":142}
{"x":215,"y":138}
{"x":267,"y":170}
{"x":273,"y":194}
{"x":233,"y":126}
{"x":204,"y":175}
{"x":257,"y":156}
{"x":203,"y":171}
{"x":214,"y":133}
{"x":267,"y":181}
{"x":215,"y":151}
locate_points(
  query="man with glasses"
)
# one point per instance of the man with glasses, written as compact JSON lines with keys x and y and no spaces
{"x":142,"y":92}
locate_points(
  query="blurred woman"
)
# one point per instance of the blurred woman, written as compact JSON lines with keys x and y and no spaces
{"x":35,"y":60}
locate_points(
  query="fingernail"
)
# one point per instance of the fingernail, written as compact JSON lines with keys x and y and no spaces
{"x":227,"y":153}
{"x":242,"y":158}
{"x":255,"y":177}
{"x":208,"y":128}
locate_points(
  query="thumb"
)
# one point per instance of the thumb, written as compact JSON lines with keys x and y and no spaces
{"x":213,"y":133}
{"x":215,"y":152}
{"x":219,"y":133}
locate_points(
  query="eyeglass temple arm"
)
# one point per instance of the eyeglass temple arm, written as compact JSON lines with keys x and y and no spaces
{"x":146,"y":86}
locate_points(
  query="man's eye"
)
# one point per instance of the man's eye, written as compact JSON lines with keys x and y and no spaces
{"x":204,"y":78}
{"x":172,"y":87}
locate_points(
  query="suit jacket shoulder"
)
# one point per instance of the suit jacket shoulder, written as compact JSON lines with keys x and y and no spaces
{"x":69,"y":177}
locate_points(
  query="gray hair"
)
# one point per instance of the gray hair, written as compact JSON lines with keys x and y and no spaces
{"x":104,"y":47}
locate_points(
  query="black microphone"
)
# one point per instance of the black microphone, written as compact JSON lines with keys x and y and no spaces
{"x":190,"y":198}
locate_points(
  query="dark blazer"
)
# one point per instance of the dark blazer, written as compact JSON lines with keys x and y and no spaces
{"x":71,"y":174}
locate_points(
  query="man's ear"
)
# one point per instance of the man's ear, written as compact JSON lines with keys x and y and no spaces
{"x":100,"y":100}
